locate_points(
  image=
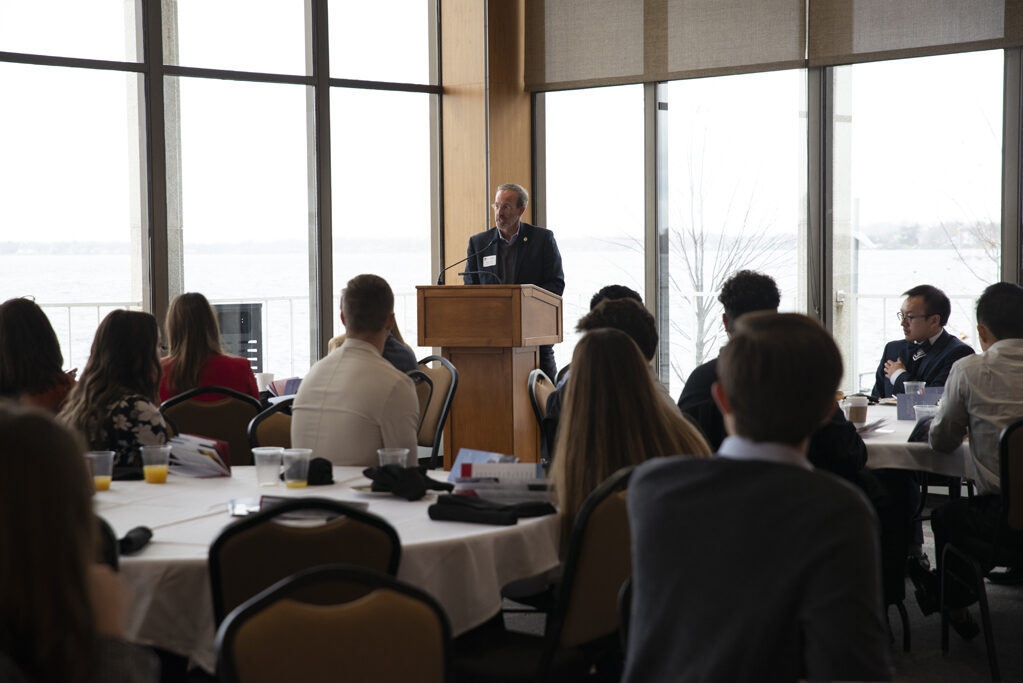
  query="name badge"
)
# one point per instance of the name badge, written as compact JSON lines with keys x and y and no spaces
{"x":489,"y":261}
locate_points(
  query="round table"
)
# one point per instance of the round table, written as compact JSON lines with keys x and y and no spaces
{"x":889,"y":447}
{"x":462,"y":565}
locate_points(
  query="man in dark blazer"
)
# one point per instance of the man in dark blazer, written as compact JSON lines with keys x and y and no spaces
{"x":928,"y":351}
{"x":516,"y":253}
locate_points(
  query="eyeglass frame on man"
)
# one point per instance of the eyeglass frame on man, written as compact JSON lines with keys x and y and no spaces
{"x":900,"y":316}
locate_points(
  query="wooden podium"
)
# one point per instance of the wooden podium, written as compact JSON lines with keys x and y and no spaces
{"x":491,"y":334}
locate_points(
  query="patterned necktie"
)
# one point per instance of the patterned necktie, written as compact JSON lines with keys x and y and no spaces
{"x":921,"y":351}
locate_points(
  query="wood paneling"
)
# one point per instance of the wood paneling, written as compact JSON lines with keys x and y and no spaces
{"x":509,"y":116}
{"x":464,"y":125}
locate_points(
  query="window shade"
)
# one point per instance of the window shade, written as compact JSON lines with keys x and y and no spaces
{"x":847,"y":31}
{"x":585,"y":43}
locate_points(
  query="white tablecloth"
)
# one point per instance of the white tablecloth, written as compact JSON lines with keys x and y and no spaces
{"x":463,"y":565}
{"x":891,"y":448}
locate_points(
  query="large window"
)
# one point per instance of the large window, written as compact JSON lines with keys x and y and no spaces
{"x":243,"y":145}
{"x":735,"y":199}
{"x":382,"y":195}
{"x":595,"y":191}
{"x":917,"y":169}
{"x":245,"y":208}
{"x":70,"y":216}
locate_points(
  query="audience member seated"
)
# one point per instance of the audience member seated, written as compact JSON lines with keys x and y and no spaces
{"x":396,"y":351}
{"x":835,"y":447}
{"x":30,"y":358}
{"x":614,"y":416}
{"x":196,"y":358}
{"x":353,"y":401}
{"x":809,"y":606}
{"x":113,"y":403}
{"x":928,"y":351}
{"x":632,"y":318}
{"x":64,"y":616}
{"x":744,"y":292}
{"x":983,"y":396}
{"x":604,"y":293}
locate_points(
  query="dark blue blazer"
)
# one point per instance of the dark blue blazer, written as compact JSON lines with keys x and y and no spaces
{"x":932,"y":368}
{"x":539,"y":261}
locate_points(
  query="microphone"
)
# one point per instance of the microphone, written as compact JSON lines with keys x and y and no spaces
{"x":440,"y":276}
{"x":484,"y":272}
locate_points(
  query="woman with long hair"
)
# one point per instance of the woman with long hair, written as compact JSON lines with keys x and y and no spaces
{"x":62,"y":617}
{"x":613,"y":416}
{"x":113,"y":403}
{"x":30,"y":359}
{"x":196,"y":358}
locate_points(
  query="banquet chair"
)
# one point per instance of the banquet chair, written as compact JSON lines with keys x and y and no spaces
{"x":435,"y":404}
{"x":582,"y":629}
{"x":272,"y":427}
{"x":540,"y":389}
{"x":226,"y":419}
{"x":975,"y":556}
{"x":260,"y":549}
{"x":395,"y":632}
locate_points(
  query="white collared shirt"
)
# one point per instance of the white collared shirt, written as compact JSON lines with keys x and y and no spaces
{"x":983,"y":395}
{"x":741,"y":448}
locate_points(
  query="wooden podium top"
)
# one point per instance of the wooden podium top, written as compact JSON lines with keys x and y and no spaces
{"x":488,"y":315}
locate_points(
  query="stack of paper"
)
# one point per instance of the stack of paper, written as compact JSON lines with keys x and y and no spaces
{"x":199,"y":456}
{"x":503,"y":482}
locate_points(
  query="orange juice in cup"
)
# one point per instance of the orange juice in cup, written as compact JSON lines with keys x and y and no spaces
{"x":155,"y":474}
{"x":154,"y":463}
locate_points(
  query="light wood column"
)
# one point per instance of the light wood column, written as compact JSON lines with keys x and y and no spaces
{"x":486,"y":118}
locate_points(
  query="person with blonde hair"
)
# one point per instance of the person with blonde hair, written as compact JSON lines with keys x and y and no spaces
{"x":113,"y":403}
{"x":196,"y":358}
{"x":613,"y":416}
{"x":64,"y":616}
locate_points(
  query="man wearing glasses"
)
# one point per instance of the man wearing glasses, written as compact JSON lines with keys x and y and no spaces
{"x":516,"y":253}
{"x":928,"y":351}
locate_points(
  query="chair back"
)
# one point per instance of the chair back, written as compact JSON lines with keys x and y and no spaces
{"x":395,"y":632}
{"x":272,"y":427}
{"x":443,"y":383}
{"x":226,"y":419}
{"x":1010,"y":450}
{"x":540,"y":389}
{"x":259,"y":550}
{"x":598,"y":562}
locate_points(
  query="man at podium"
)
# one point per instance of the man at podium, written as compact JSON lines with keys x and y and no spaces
{"x":516,"y":253}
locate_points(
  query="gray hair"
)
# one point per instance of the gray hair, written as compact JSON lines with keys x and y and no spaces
{"x":518,"y":189}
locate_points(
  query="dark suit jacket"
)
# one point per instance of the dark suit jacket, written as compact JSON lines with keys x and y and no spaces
{"x":932,"y":368}
{"x":539,"y":261}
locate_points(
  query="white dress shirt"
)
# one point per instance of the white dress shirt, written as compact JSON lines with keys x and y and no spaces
{"x":741,"y":448}
{"x":353,"y":402}
{"x":983,"y":395}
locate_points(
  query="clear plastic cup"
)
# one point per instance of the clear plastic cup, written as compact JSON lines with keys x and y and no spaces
{"x":914,"y":387}
{"x":268,"y":464}
{"x":393,"y":456}
{"x":102,"y":465}
{"x":296,"y":467}
{"x":155,"y":461}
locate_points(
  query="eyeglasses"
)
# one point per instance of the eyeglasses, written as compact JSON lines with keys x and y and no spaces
{"x":910,"y":317}
{"x":503,"y":207}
